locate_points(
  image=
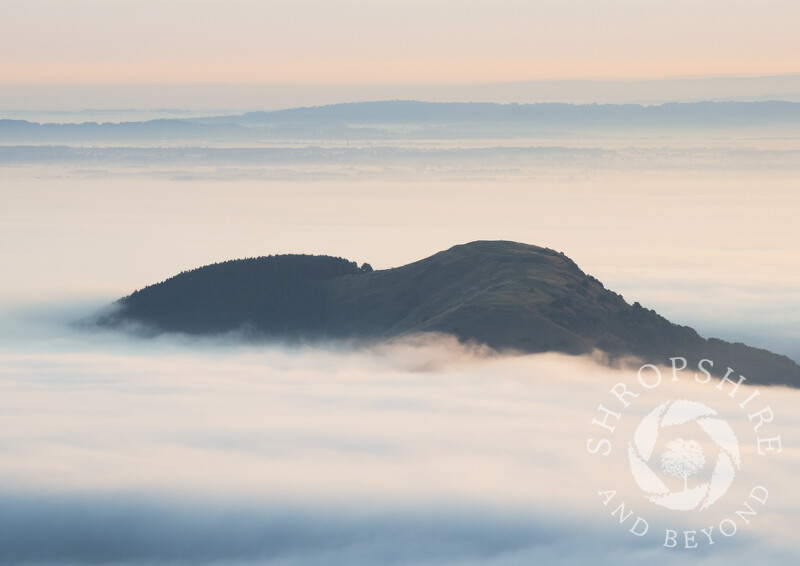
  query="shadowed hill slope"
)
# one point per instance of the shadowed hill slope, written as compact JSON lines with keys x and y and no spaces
{"x":507,"y":295}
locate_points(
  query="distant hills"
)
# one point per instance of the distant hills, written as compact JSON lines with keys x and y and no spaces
{"x":507,"y":295}
{"x":412,"y":120}
{"x":415,"y":112}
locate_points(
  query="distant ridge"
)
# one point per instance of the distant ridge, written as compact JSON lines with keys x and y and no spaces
{"x":507,"y":295}
{"x":409,"y":119}
{"x":412,"y":111}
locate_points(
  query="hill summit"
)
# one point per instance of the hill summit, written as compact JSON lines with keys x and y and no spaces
{"x":507,"y":295}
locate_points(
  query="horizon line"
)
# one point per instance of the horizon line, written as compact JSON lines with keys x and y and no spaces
{"x":598,"y":79}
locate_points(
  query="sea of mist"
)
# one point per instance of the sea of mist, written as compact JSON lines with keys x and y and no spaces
{"x":119,"y":449}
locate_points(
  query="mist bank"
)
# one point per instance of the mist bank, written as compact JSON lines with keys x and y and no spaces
{"x":340,"y":161}
{"x":145,"y":528}
{"x":177,"y":450}
{"x":136,"y":528}
{"x":413,"y":120}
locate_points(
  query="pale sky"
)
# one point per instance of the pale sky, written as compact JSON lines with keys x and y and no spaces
{"x":391,"y":41}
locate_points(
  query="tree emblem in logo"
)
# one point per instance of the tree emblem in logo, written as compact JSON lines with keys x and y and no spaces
{"x":683,"y":458}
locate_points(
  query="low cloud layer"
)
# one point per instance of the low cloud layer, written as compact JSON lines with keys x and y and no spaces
{"x":93,"y":530}
{"x":122,"y":450}
{"x":124,"y":529}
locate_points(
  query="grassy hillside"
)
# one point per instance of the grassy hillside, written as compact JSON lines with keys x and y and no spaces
{"x":508,"y":295}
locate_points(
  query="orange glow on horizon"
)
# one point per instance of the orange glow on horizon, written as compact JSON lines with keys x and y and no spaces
{"x":396,"y":71}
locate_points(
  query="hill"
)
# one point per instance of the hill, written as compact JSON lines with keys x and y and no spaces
{"x":507,"y":295}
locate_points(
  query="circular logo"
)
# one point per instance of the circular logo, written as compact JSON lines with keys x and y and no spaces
{"x":683,"y":458}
